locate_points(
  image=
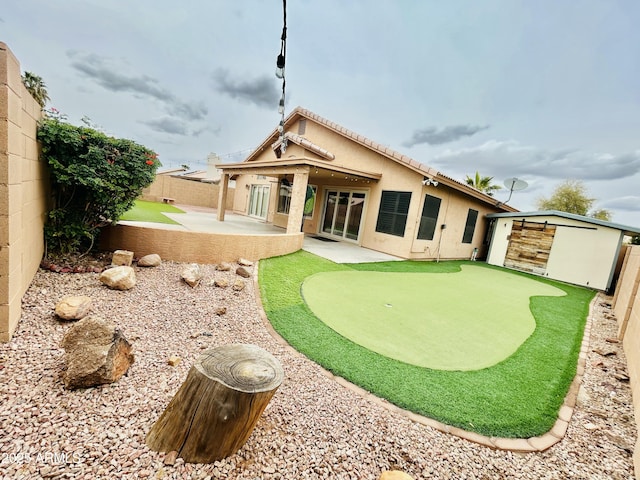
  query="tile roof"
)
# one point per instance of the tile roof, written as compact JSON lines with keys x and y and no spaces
{"x":382,"y":150}
{"x":303,"y":142}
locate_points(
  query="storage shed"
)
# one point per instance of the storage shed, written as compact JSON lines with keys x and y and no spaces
{"x":558,"y":245}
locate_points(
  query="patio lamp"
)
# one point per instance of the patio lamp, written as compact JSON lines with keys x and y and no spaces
{"x":280,"y":66}
{"x":281,"y":105}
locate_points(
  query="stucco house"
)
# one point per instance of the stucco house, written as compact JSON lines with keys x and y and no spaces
{"x":338,"y":185}
{"x":558,"y":245}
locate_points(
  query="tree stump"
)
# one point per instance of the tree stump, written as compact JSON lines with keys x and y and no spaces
{"x":216,"y":408}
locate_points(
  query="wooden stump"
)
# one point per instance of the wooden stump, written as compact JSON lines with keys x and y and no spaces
{"x":216,"y":408}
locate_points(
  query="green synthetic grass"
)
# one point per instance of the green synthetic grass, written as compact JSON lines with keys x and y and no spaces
{"x":518,"y":397}
{"x":143,"y":211}
{"x":466,"y":320}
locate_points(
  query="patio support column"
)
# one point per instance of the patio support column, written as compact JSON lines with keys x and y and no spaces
{"x":296,"y":208}
{"x":222,"y":196}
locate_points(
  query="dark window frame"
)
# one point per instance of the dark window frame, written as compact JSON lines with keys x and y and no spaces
{"x":393,"y":212}
{"x":470,"y":226}
{"x":429,"y":222}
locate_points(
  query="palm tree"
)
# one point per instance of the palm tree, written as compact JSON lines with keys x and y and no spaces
{"x":36,"y":87}
{"x":483,"y":184}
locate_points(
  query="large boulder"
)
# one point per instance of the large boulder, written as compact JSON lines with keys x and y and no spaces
{"x":151,"y":260}
{"x":192,"y":274}
{"x":96,"y":352}
{"x":74,"y":307}
{"x":119,"y":278}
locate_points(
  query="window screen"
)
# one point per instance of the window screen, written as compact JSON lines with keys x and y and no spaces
{"x":470,"y":226}
{"x":392,"y":216}
{"x":429,"y":217}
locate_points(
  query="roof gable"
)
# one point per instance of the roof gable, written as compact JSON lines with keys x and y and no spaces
{"x":300,"y":113}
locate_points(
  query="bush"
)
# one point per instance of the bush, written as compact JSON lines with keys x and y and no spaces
{"x":95,"y":178}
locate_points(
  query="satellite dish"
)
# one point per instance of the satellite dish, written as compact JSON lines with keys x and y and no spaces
{"x":513,"y":184}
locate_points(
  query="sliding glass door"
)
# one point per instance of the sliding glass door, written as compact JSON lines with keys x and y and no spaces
{"x":343,"y":213}
{"x":259,"y":201}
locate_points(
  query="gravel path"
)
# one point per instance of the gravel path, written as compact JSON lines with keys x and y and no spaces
{"x":313,"y":427}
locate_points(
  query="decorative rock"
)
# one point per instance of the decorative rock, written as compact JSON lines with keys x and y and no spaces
{"x":583,"y":398}
{"x":221,"y":283}
{"x":192,"y":274}
{"x":74,"y":307}
{"x":173,"y":360}
{"x":604,"y":353}
{"x":119,"y":278}
{"x":170,"y":458}
{"x":395,"y":475}
{"x":243,"y":272}
{"x":221,"y":310}
{"x":238,"y":285}
{"x":151,"y":260}
{"x":245,"y":263}
{"x":224,"y":267}
{"x":96,"y":352}
{"x":122,"y":257}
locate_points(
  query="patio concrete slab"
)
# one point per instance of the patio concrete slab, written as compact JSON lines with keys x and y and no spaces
{"x":239,"y":224}
{"x":203,"y":219}
{"x":344,"y":252}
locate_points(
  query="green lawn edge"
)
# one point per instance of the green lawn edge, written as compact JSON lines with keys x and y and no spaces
{"x":145,"y":211}
{"x":518,"y":398}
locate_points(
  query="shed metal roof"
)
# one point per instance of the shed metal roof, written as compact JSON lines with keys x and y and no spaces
{"x":572,"y":216}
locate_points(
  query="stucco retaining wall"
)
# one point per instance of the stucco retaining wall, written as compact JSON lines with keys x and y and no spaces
{"x":198,"y":247}
{"x":626,"y":307}
{"x":23,"y":192}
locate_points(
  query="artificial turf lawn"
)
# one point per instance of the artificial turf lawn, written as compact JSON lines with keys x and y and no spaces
{"x":465,"y":320}
{"x":143,"y":211}
{"x":519,"y":397}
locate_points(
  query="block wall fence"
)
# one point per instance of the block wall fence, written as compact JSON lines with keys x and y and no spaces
{"x":185,"y":192}
{"x":23,"y":192}
{"x":626,"y":308}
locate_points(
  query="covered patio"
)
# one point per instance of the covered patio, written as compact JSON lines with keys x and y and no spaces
{"x":303,"y":171}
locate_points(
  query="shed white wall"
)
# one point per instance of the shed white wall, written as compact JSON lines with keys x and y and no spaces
{"x":499,"y":241}
{"x":581,"y":254}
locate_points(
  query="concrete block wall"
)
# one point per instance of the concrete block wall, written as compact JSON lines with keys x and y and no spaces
{"x":185,"y":192}
{"x":23,"y":192}
{"x":626,"y":307}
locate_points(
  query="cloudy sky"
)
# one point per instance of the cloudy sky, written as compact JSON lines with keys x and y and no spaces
{"x":544,"y":90}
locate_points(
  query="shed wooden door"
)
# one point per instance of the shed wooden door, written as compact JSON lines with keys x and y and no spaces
{"x":529,"y":246}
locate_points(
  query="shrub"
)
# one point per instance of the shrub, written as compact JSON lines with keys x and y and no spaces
{"x":95,"y":178}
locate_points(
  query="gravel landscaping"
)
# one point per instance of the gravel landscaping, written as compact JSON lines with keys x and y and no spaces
{"x":313,"y":427}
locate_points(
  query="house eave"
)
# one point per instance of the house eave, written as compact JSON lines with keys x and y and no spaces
{"x":290,"y":165}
